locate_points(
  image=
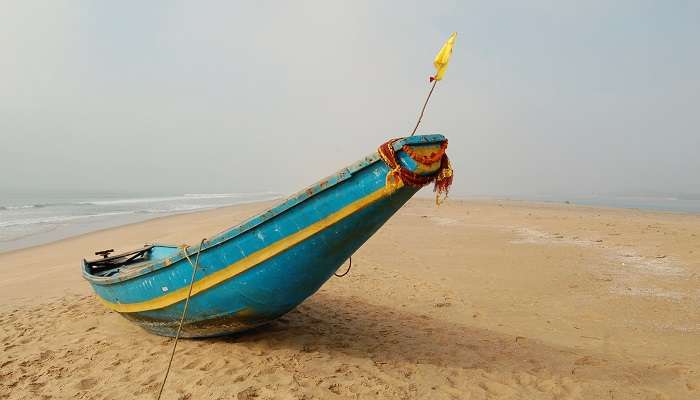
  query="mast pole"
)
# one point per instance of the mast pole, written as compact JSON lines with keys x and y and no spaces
{"x":424,"y":105}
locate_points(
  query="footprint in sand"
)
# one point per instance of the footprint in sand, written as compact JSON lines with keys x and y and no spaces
{"x":206,"y":367}
{"x":249,"y":393}
{"x":87,"y":383}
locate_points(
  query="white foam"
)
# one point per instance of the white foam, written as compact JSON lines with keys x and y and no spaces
{"x":188,"y":196}
{"x":57,"y":219}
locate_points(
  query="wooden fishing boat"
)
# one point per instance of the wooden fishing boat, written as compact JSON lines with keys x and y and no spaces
{"x":267,"y":265}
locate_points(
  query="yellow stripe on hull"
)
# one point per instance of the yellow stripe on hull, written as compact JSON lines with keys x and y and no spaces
{"x":251,"y":260}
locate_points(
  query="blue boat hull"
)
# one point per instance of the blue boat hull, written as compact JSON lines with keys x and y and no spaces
{"x":265,"y":267}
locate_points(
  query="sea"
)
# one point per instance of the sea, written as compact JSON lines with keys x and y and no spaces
{"x":685,"y":203}
{"x":33,"y":219}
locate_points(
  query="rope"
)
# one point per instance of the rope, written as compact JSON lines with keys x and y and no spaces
{"x":346,"y":272}
{"x":424,"y":105}
{"x":184,"y":311}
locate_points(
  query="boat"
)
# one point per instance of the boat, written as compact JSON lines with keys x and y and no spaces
{"x":264,"y":267}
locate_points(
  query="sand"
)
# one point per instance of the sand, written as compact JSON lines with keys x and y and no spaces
{"x":472,"y":300}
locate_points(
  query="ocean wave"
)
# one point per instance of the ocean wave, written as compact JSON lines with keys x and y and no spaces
{"x":189,"y":202}
{"x":25,"y":206}
{"x":57,"y":219}
{"x":228,"y":195}
{"x":142,"y":200}
{"x":187,"y":196}
{"x":176,"y":209}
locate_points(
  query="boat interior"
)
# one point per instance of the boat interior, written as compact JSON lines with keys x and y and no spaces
{"x":110,"y":265}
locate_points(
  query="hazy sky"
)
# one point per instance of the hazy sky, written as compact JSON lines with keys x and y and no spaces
{"x":541,"y":97}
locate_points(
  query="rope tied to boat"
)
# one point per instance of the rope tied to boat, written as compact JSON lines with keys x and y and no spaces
{"x":399,"y":176}
{"x":194,"y":265}
{"x":346,"y":271}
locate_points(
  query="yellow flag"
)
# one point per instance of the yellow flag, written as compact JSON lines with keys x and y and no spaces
{"x":443,"y":57}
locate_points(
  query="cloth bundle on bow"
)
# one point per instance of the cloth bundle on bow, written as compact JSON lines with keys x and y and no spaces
{"x":399,"y":176}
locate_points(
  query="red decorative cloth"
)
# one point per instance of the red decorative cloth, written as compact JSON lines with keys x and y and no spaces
{"x":399,"y":175}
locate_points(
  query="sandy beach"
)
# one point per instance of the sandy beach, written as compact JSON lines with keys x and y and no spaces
{"x":472,"y":300}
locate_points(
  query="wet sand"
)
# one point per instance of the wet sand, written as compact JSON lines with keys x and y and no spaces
{"x":472,"y":300}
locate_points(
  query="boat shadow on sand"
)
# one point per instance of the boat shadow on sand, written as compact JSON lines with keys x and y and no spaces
{"x":329,"y":338}
{"x":331,"y":326}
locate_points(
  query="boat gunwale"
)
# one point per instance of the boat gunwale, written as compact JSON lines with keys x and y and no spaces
{"x":251,"y":223}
